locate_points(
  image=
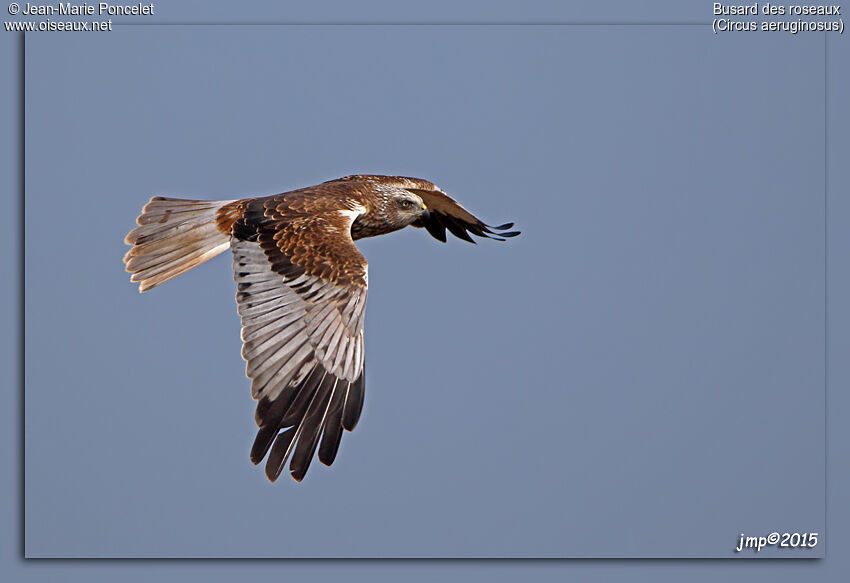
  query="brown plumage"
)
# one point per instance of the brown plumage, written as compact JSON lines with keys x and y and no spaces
{"x":301,"y":292}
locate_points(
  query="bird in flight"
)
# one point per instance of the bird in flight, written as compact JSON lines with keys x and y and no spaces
{"x":301,"y":292}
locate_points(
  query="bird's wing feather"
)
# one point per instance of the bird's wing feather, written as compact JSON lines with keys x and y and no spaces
{"x":447,"y":213}
{"x":302,"y":287}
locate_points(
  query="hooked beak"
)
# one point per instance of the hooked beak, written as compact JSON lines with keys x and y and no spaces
{"x":425,"y":214}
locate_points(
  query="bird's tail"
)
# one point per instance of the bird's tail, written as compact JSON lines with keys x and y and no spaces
{"x":173,"y":236}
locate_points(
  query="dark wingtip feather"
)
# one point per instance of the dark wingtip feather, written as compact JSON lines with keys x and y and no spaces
{"x":280,"y":451}
{"x":487,"y":235}
{"x":437,"y":230}
{"x":268,"y":416}
{"x":499,"y":231}
{"x":330,"y":443}
{"x":353,"y":403}
{"x":262,"y":444}
{"x":311,"y":428}
{"x":457,"y":229}
{"x":332,"y":431}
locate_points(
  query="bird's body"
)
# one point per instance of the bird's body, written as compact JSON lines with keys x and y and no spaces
{"x":302,"y":286}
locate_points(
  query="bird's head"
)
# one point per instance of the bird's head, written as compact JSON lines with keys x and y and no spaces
{"x":397,"y":203}
{"x":402,"y":207}
{"x":398,"y":207}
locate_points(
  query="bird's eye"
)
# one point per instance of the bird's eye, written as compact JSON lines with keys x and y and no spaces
{"x":406,"y":204}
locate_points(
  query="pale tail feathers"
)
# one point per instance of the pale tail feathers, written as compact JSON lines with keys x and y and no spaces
{"x":173,"y":236}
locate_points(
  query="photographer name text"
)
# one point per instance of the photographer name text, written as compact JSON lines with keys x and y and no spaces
{"x":85,"y":9}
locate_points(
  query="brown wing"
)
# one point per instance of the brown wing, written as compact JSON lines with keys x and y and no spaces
{"x":447,"y":213}
{"x":302,"y":287}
